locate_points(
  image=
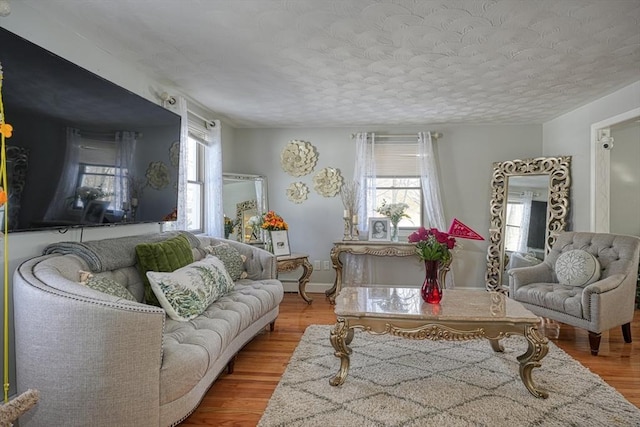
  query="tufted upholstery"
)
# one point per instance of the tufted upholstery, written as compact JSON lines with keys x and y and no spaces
{"x":597,"y":307}
{"x":103,"y":361}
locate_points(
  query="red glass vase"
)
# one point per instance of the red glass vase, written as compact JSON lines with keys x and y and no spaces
{"x":431,"y":290}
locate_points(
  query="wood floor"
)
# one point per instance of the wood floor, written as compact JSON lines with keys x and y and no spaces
{"x":240,"y":398}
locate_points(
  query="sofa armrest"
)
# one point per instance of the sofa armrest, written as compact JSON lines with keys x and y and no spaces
{"x":94,"y":360}
{"x":540,"y":273}
{"x":260,"y":264}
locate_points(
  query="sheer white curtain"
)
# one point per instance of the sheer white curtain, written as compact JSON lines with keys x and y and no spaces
{"x":66,"y":188}
{"x":364,"y":174}
{"x":359,"y":268}
{"x":181,"y":107}
{"x":213,"y":209}
{"x":125,"y":148}
{"x":434,"y":213}
{"x":526,"y":198}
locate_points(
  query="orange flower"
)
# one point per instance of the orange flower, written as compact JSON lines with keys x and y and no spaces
{"x":273,"y":221}
{"x":6,"y":130}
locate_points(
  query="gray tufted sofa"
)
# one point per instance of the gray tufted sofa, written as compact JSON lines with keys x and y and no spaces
{"x":597,"y":307}
{"x":102,"y":361}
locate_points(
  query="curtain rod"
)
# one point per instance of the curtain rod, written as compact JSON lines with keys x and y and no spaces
{"x":434,"y":135}
{"x":209,"y":122}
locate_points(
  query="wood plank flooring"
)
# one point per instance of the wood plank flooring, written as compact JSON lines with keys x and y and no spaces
{"x":239,"y":399}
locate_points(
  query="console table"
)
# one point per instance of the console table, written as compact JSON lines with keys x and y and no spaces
{"x":365,"y":247}
{"x":291,"y":262}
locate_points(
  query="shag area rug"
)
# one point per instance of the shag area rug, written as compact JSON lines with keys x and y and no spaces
{"x":400,"y":382}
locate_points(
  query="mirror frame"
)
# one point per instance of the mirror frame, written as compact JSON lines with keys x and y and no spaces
{"x":558,"y":169}
{"x":259,"y":204}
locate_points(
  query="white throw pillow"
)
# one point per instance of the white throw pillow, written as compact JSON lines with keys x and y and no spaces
{"x":577,"y":268}
{"x":187,"y":292}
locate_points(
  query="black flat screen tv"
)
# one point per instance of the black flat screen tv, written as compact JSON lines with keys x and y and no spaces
{"x":537,"y":225}
{"x":84,"y":151}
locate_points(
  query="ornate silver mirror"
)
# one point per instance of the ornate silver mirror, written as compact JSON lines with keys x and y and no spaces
{"x":244,"y":196}
{"x":529,"y":207}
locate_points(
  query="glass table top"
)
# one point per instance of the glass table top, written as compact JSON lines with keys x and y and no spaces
{"x":406,"y":303}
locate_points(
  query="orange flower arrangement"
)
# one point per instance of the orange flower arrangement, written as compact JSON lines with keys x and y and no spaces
{"x":273,"y":221}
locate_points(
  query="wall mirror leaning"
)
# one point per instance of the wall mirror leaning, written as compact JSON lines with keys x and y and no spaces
{"x":243,"y":196}
{"x":529,"y":207}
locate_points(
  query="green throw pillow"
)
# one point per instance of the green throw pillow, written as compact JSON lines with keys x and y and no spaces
{"x":232,"y":259}
{"x":188,"y":291}
{"x":165,"y":256}
{"x":109,"y":286}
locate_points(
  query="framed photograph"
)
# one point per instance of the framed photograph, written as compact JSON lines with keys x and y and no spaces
{"x":280,"y":242}
{"x":94,"y":213}
{"x":380,"y":229}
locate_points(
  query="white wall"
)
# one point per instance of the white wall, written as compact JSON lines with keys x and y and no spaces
{"x":625,"y":180}
{"x":570,"y":134}
{"x":465,"y":155}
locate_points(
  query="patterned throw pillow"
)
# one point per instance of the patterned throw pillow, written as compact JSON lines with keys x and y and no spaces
{"x":108,"y":286}
{"x":232,"y":259}
{"x":188,"y":291}
{"x":577,"y":268}
{"x":164,"y":256}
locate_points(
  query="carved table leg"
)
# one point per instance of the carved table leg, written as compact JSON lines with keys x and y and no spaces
{"x":307,"y":269}
{"x":341,"y":335}
{"x":337,"y":283}
{"x":496,"y":345}
{"x":538,"y":348}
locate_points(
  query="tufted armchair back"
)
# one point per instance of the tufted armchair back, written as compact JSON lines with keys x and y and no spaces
{"x":617,"y":254}
{"x":596,"y":306}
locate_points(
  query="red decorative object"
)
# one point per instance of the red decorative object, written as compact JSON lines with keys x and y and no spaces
{"x":431,"y":290}
{"x":458,"y":229}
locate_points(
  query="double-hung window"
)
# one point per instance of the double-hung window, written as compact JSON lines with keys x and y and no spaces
{"x":195,"y":175}
{"x":398,"y":180}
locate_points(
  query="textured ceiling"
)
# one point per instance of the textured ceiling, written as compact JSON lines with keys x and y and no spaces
{"x":289,"y":63}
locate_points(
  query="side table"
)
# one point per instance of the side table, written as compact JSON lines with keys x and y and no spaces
{"x":291,"y":262}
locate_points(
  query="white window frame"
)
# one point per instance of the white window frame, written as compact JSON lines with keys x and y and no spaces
{"x":395,"y":169}
{"x":195,"y":221}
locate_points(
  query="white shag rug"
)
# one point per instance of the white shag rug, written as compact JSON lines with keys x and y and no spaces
{"x":400,"y":382}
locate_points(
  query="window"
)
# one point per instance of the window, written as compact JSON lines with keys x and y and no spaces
{"x":515,"y":211}
{"x":195,"y":182}
{"x":398,"y":180}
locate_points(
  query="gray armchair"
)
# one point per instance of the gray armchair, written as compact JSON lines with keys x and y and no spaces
{"x":596,"y":307}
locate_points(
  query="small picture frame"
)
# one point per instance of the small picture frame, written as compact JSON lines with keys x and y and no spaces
{"x":94,"y":213}
{"x":380,"y":229}
{"x":280,"y":242}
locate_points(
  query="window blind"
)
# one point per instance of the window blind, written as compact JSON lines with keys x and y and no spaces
{"x":396,"y":159}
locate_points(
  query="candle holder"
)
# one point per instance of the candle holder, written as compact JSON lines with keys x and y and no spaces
{"x":355,"y":235}
{"x":347,"y":229}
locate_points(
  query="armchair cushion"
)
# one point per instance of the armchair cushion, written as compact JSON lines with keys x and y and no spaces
{"x":577,"y":268}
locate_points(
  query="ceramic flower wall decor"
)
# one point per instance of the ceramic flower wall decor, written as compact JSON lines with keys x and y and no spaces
{"x":298,"y":158}
{"x":157,"y":175}
{"x":297,"y":192}
{"x":328,"y":182}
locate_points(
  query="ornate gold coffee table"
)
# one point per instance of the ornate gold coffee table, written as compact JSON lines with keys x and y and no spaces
{"x":461,"y":315}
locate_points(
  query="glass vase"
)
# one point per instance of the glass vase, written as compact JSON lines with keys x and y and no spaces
{"x":268,"y":243}
{"x":394,"y":231}
{"x":431,"y":290}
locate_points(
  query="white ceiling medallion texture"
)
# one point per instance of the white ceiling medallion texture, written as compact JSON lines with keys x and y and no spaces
{"x":297,"y":192}
{"x":298,"y":158}
{"x":327,"y":182}
{"x":326,"y":63}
